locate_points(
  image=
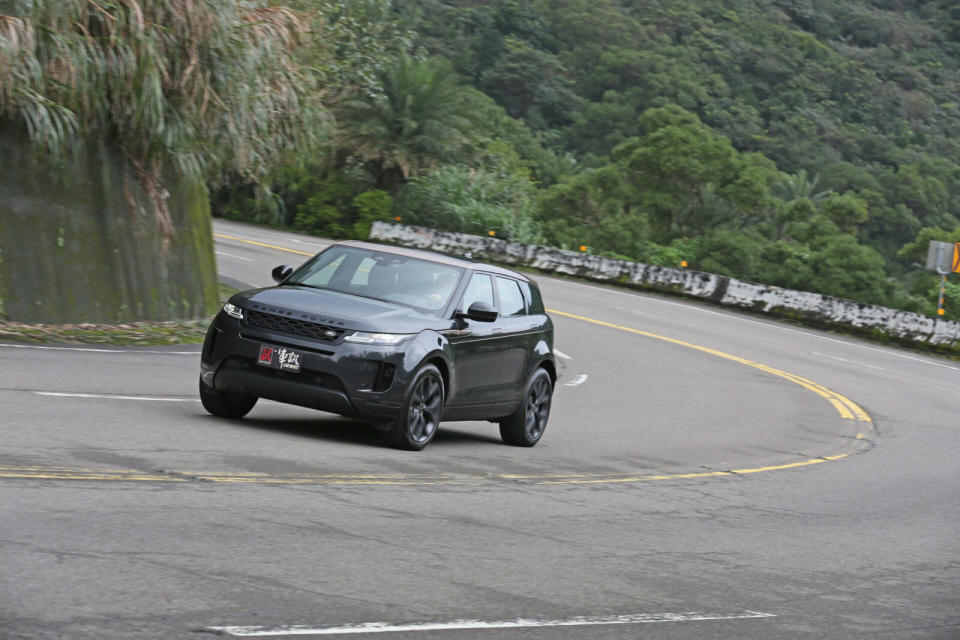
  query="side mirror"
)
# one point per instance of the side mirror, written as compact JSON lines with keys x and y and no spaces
{"x":281,"y":273}
{"x":481,"y":312}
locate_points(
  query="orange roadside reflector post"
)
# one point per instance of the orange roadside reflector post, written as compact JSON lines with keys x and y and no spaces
{"x":943,"y":290}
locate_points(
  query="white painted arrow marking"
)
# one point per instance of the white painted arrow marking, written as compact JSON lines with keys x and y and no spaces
{"x":577,"y":380}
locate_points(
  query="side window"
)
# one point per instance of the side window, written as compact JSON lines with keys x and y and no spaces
{"x":532,"y":294}
{"x":511,"y":300}
{"x":480,"y":289}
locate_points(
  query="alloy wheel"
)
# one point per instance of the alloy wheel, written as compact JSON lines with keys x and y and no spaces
{"x":538,"y":407}
{"x":423,"y":413}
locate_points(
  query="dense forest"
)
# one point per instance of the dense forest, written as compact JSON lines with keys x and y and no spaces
{"x":810,"y":144}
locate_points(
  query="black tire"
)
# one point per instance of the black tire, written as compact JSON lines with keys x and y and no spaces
{"x":419,"y":418}
{"x":525,"y":427}
{"x":225,"y":404}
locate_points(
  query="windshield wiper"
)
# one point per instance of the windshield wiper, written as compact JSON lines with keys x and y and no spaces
{"x":361,"y":295}
{"x":304,"y":284}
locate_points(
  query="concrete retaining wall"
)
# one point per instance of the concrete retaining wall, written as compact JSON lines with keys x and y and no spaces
{"x":805,"y":305}
{"x":79,"y":241}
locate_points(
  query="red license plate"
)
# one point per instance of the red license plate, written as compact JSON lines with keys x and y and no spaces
{"x":280,"y":358}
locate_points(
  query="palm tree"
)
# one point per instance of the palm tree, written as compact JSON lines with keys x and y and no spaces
{"x":799,"y":186}
{"x":418,"y":118}
{"x":800,"y":198}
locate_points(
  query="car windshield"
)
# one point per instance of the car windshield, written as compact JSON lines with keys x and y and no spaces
{"x":424,"y":285}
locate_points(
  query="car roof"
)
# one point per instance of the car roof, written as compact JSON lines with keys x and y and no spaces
{"x":432,"y":256}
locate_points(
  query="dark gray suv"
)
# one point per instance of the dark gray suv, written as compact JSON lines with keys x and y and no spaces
{"x":397,"y":337}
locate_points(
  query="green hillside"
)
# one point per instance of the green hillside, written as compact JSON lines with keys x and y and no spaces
{"x":810,"y":144}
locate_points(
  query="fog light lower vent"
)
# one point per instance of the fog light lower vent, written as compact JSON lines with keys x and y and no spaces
{"x":385,"y":376}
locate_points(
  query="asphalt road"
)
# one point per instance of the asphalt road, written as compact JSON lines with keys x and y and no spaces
{"x":705,"y":474}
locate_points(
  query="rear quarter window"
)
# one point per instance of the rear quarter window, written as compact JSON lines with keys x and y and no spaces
{"x":532,"y":294}
{"x":511,"y":299}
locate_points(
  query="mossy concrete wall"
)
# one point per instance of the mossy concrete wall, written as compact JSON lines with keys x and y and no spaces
{"x":801,"y":305}
{"x":79,"y":242}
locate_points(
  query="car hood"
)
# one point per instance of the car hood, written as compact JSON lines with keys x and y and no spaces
{"x":338,"y":309}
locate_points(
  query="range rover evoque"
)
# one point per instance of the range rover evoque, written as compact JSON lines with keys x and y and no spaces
{"x":397,"y":337}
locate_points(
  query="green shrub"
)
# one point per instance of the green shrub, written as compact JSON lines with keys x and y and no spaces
{"x":477,"y":201}
{"x":370,"y":206}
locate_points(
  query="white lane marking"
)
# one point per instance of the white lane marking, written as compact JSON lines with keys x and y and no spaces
{"x":107,"y":396}
{"x":560,"y":354}
{"x":861,"y":364}
{"x":577,"y":380}
{"x":653,"y":315}
{"x":230,"y":255}
{"x":386,"y":627}
{"x":644,"y":313}
{"x":36,"y":346}
{"x":733,"y":316}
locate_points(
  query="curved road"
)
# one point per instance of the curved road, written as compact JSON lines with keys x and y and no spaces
{"x":705,"y":474}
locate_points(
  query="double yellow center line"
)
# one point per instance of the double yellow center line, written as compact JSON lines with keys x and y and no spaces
{"x":134,"y":475}
{"x":846,"y":407}
{"x":261,"y":244}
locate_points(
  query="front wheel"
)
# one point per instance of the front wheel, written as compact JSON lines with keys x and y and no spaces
{"x":525,"y":427}
{"x":419,"y":417}
{"x":225,"y":404}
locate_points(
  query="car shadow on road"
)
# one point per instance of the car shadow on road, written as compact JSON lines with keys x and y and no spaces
{"x":333,"y":428}
{"x":351,"y":431}
{"x":453,"y":435}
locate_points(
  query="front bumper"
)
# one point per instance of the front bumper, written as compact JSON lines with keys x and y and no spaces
{"x":339,"y":377}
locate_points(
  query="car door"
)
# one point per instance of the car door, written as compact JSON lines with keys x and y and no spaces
{"x":520,"y":334}
{"x":476,"y":355}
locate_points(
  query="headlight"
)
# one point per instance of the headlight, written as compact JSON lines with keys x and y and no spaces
{"x":233,"y":311}
{"x":362,"y":337}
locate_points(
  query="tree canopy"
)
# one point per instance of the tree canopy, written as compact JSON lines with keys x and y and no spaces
{"x":797,"y":143}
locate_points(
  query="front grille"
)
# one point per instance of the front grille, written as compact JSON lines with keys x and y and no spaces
{"x":291,"y":326}
{"x":290,"y":345}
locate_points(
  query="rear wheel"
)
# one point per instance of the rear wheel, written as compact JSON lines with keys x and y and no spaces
{"x":525,"y":427}
{"x":417,"y":423}
{"x":225,"y":404}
